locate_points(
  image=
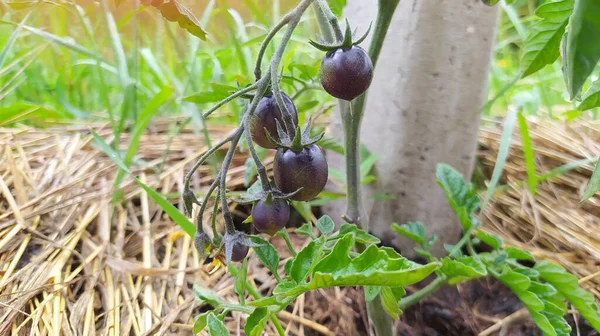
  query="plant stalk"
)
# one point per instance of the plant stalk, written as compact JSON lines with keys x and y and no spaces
{"x":351,"y":120}
{"x":422,"y":293}
{"x":295,"y":16}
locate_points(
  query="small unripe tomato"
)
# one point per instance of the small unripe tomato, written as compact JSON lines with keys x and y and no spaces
{"x":270,"y":218}
{"x":239,"y":252}
{"x":306,"y":169}
{"x":265,"y":115}
{"x":346,"y":73}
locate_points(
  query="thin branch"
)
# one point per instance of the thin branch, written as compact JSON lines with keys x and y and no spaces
{"x":422,"y":293}
{"x":265,"y":44}
{"x":230,"y":98}
{"x":332,"y":19}
{"x":229,"y":227}
{"x":209,"y":152}
{"x":209,"y":192}
{"x":295,"y":16}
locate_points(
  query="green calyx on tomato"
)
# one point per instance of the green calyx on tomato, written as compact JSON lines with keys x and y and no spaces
{"x":346,"y":43}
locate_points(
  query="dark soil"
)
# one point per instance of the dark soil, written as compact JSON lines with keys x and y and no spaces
{"x":463,"y":310}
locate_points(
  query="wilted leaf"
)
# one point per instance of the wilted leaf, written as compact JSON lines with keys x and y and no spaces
{"x":174,"y":11}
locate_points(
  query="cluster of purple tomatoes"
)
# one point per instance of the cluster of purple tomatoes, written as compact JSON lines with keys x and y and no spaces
{"x":346,"y":73}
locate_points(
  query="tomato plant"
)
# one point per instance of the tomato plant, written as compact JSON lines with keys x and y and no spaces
{"x":350,"y":256}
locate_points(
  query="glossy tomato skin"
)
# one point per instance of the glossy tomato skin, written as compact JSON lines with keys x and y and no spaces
{"x":306,"y":169}
{"x":346,"y":73}
{"x":270,"y":218}
{"x":265,"y":115}
{"x":239,"y":252}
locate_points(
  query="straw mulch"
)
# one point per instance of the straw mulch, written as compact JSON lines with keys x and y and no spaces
{"x":72,"y":263}
{"x":553,"y":224}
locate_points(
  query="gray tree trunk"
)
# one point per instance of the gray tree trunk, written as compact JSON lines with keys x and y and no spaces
{"x":423,"y":108}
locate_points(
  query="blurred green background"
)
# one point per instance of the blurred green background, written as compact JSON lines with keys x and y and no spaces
{"x":65,"y":61}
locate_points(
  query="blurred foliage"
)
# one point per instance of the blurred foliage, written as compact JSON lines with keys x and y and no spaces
{"x":64,"y":60}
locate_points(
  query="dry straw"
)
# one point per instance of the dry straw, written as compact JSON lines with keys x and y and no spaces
{"x":71,"y":263}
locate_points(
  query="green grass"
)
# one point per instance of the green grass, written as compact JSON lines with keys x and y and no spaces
{"x":77,"y":62}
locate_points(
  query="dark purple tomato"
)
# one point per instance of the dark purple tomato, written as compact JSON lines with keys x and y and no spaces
{"x":306,"y":169}
{"x":239,"y":252}
{"x":265,"y":115}
{"x":270,"y":218}
{"x":346,"y":73}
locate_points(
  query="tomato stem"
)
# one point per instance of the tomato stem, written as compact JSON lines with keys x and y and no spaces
{"x":352,"y":113}
{"x":295,"y":16}
{"x":332,"y":20}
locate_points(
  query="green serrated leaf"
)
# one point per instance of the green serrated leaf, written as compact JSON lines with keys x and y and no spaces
{"x":255,"y":324}
{"x":518,"y":254}
{"x":361,"y":236}
{"x":490,"y":239}
{"x":254,"y":190}
{"x":339,"y":256}
{"x":542,"y":289}
{"x":331,"y":144}
{"x":200,"y":322}
{"x":216,"y":327}
{"x":500,"y":258}
{"x":459,"y":193}
{"x":543,"y":42}
{"x":303,"y":208}
{"x":371,"y":292}
{"x":390,"y":297}
{"x":264,"y":302}
{"x":306,"y":259}
{"x":415,"y":231}
{"x":556,"y":305}
{"x":325,"y":225}
{"x":558,"y":322}
{"x":266,"y":253}
{"x":567,"y":285}
{"x":288,"y":266}
{"x":515,"y":281}
{"x":206,"y":295}
{"x":305,"y":230}
{"x":240,"y":280}
{"x":583,"y":44}
{"x":591,"y":99}
{"x":464,"y":267}
{"x":373,"y":267}
{"x":528,"y":272}
{"x":285,"y":287}
{"x":465,"y":218}
{"x":593,"y":185}
{"x":543,"y":323}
